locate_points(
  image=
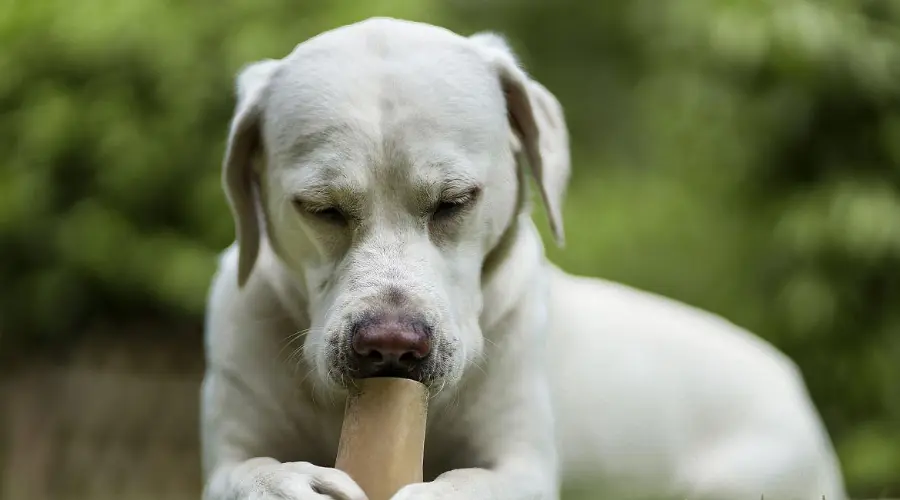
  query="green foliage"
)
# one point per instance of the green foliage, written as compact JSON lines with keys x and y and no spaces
{"x":742,"y":155}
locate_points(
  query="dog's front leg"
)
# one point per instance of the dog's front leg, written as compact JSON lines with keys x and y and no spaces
{"x":265,"y":478}
{"x":247,"y":444}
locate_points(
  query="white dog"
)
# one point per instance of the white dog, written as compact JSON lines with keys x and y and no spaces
{"x":377,"y":183}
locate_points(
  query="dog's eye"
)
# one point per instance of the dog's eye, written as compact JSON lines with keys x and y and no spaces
{"x":449,"y":207}
{"x":332,"y":215}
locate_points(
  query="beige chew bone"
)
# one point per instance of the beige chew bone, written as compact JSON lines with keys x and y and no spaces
{"x":383,"y":436}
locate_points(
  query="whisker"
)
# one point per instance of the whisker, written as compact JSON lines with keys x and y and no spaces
{"x":290,"y":339}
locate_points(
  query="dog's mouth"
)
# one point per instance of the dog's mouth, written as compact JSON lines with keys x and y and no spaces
{"x":395,"y":373}
{"x":404,"y":368}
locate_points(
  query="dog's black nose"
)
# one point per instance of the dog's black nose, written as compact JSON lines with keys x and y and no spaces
{"x":388,"y":345}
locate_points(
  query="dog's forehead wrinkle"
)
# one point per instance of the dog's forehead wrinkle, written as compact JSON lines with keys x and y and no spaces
{"x":319,"y":182}
{"x":434,"y":164}
{"x":304,"y":141}
{"x":305,"y":134}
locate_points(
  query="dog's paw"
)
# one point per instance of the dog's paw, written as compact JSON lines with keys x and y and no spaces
{"x":297,"y":481}
{"x":437,"y":490}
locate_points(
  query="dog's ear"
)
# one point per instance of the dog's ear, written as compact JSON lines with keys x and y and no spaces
{"x":239,"y":179}
{"x":537,"y":119}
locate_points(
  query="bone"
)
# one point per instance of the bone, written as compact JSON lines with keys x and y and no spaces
{"x":383,"y":435}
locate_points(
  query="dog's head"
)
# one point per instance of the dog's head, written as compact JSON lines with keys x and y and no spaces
{"x":387,"y":171}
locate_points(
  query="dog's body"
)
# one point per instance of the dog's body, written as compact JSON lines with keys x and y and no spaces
{"x":391,"y":206}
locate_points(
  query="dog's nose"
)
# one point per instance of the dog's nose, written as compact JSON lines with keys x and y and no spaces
{"x":386,"y":346}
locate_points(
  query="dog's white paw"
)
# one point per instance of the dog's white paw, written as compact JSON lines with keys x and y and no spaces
{"x":297,"y":481}
{"x":436,"y":490}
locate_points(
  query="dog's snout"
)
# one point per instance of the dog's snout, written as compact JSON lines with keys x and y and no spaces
{"x":390,"y":346}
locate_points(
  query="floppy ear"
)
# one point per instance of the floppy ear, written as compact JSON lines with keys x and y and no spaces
{"x":238,"y":177}
{"x":538,"y":120}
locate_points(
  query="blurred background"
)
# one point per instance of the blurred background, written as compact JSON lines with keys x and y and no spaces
{"x":742,"y":156}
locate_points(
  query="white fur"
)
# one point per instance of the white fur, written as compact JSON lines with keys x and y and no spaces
{"x":539,"y":378}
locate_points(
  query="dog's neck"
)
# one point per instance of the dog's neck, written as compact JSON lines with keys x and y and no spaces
{"x":511,"y":274}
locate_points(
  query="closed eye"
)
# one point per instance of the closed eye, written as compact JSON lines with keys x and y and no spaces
{"x":454,"y":205}
{"x":447,"y":209}
{"x":330,"y":214}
